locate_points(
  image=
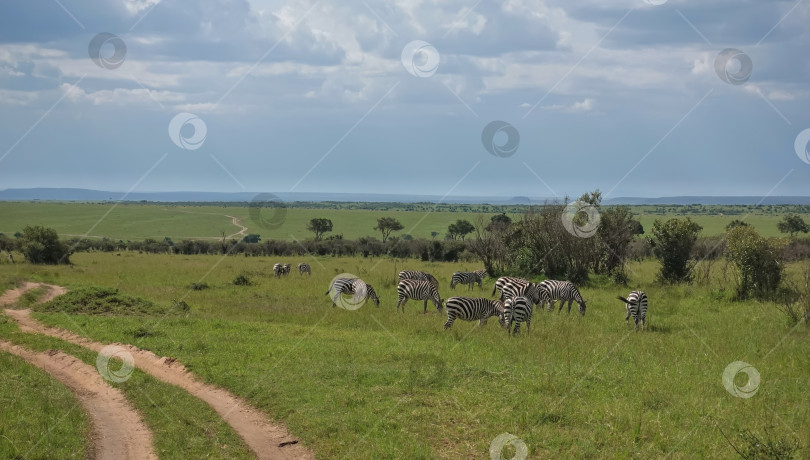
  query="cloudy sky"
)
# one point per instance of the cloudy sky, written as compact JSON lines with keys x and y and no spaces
{"x":634,"y":97}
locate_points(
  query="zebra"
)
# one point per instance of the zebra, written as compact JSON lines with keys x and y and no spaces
{"x":552,"y":290}
{"x":506,"y":280}
{"x":416,"y":275}
{"x":636,"y":303}
{"x":513,"y":287}
{"x":285,"y":269}
{"x":356,"y":286}
{"x":468,"y":278}
{"x":304,"y":268}
{"x":470,"y":309}
{"x":278,"y":270}
{"x":417,"y":290}
{"x":481,"y":273}
{"x":515,"y":311}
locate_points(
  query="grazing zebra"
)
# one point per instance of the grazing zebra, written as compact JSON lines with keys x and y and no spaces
{"x":278,"y":270}
{"x":470,"y":309}
{"x":417,"y":290}
{"x":359,"y":288}
{"x":552,"y":290}
{"x":515,"y":311}
{"x":416,"y":275}
{"x":503,"y":281}
{"x":468,"y":278}
{"x":513,"y":287}
{"x":636,"y":303}
{"x":304,"y":268}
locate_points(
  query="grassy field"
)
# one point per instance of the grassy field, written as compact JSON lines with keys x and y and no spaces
{"x":141,"y":221}
{"x":372,"y":383}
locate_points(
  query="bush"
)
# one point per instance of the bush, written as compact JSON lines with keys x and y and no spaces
{"x":242,"y":280}
{"x":199,"y":286}
{"x":672,"y":244}
{"x":100,"y":301}
{"x":41,"y":245}
{"x":757,"y":262}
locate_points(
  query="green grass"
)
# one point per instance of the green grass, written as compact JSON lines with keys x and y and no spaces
{"x":375,"y":384}
{"x":141,"y":221}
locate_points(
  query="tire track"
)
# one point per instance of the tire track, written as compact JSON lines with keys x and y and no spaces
{"x":262,"y":436}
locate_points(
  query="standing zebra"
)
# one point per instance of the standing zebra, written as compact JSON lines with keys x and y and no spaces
{"x":278,"y":269}
{"x":416,"y":275}
{"x":552,"y":290}
{"x":304,"y":268}
{"x":636,"y":303}
{"x":417,"y":290}
{"x":515,"y":311}
{"x":470,"y":309}
{"x":285,"y":269}
{"x":468,"y":278}
{"x":355,"y":286}
{"x":503,"y":281}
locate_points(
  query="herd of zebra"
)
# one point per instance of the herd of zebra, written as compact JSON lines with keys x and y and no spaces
{"x":284,"y":269}
{"x":518,"y":297}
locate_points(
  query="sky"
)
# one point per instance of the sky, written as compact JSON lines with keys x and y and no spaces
{"x":452,"y":98}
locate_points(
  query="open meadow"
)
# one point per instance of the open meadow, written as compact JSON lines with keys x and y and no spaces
{"x":373,"y":383}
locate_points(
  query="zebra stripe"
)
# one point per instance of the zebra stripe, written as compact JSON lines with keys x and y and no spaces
{"x":553,"y":290}
{"x":503,"y":281}
{"x":417,"y":275}
{"x":470,"y":309}
{"x":417,"y":290}
{"x":515,"y":311}
{"x":636,"y":303}
{"x":468,"y":278}
{"x":513,"y":287}
{"x":304,"y":268}
{"x":354,"y":286}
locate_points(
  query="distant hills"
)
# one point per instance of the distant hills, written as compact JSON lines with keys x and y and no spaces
{"x":78,"y":194}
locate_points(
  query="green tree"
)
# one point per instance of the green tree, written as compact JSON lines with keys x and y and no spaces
{"x":41,"y":245}
{"x":757,"y":261}
{"x":251,"y":238}
{"x":793,"y":224}
{"x":319,"y":227}
{"x":672,"y":244}
{"x":386,"y":225}
{"x":616,"y":230}
{"x":460,"y":229}
{"x":736,"y":223}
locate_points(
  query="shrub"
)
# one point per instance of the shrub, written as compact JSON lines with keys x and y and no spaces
{"x":199,"y":286}
{"x":242,"y":280}
{"x":100,"y":301}
{"x":757,"y":262}
{"x":672,"y":244}
{"x":41,"y":245}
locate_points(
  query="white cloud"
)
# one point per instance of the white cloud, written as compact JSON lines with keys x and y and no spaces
{"x":586,"y":105}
